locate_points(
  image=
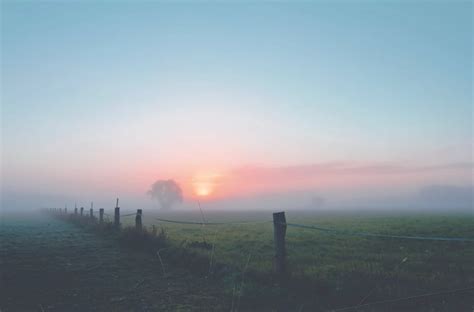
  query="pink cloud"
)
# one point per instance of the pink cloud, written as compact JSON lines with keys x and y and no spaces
{"x":262,"y":179}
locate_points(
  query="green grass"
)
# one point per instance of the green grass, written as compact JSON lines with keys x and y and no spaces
{"x":343,"y":268}
{"x":47,"y":264}
{"x":328,"y":271}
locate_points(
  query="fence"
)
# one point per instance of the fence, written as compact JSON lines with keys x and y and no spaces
{"x":280,"y":225}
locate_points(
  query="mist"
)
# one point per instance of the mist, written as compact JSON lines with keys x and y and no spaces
{"x":164,"y":195}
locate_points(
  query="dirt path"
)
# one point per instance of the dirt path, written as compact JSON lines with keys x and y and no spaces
{"x":49,"y":265}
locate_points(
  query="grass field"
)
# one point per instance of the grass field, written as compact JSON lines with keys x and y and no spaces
{"x":339,"y":270}
{"x":51,"y":265}
{"x":229,"y":267}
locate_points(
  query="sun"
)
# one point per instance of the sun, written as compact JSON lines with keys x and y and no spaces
{"x":204,"y":185}
{"x":203,"y":189}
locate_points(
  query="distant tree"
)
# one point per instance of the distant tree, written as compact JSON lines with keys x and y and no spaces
{"x":317,"y":202}
{"x":167,"y":193}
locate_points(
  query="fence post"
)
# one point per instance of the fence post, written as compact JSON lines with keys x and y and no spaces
{"x":65,"y":210}
{"x":82,"y":211}
{"x":279,"y":232}
{"x":92,"y":213}
{"x":101,"y":215}
{"x":75,"y":210}
{"x":138,"y":220}
{"x":117,"y":215}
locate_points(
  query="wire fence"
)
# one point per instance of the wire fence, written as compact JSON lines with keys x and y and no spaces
{"x":336,"y":232}
{"x":332,"y":231}
{"x":210,"y":223}
{"x":365,"y":234}
{"x":129,"y":214}
{"x":328,"y":230}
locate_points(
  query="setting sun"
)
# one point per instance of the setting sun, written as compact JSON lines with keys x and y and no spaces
{"x":203,"y":189}
{"x":204,"y":184}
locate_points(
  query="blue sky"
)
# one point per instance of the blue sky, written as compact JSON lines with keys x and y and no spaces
{"x":173,"y":89}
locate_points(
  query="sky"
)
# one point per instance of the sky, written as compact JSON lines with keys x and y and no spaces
{"x":352,"y":102}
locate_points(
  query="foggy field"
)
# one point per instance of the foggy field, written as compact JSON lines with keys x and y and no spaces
{"x":50,"y":265}
{"x":250,"y":155}
{"x":339,"y":270}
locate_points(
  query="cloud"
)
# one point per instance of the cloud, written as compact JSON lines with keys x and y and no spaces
{"x":352,"y":177}
{"x":346,"y":168}
{"x":345,"y":172}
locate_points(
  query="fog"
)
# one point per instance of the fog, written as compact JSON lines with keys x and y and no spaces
{"x":436,"y":198}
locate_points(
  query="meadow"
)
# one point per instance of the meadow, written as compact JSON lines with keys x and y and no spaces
{"x":47,"y":264}
{"x":228,"y":267}
{"x":331,"y":271}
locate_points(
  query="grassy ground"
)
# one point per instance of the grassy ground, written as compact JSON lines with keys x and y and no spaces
{"x":51,"y":265}
{"x":332,"y":271}
{"x":229,"y":267}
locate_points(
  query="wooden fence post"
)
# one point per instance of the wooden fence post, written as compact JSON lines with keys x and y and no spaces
{"x":117,"y":215}
{"x":75,"y":211}
{"x":138,"y":220}
{"x":101,"y":215}
{"x":279,"y":232}
{"x":82,"y":211}
{"x":92,"y":210}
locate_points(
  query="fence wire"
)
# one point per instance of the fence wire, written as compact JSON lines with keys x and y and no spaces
{"x":366,"y":234}
{"x":210,"y":223}
{"x":129,"y":214}
{"x":338,"y":232}
{"x":318,"y":228}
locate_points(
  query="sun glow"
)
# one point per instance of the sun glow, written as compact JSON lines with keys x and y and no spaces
{"x":204,"y":185}
{"x":203,"y":189}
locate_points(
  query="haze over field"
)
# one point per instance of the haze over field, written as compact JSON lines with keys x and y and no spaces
{"x":244,"y":105}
